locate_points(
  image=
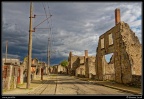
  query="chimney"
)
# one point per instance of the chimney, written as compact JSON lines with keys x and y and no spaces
{"x":86,"y":53}
{"x":70,"y":54}
{"x":70,"y":60}
{"x":117,"y":16}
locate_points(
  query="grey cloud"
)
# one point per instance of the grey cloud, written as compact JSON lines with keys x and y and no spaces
{"x":76,"y":26}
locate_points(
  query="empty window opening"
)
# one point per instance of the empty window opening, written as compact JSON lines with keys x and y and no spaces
{"x":102,"y":43}
{"x":110,"y":39}
{"x":108,"y":57}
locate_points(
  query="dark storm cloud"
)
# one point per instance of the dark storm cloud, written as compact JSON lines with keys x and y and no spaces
{"x":75,"y":26}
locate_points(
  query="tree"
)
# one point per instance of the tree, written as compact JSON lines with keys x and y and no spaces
{"x":64,"y":63}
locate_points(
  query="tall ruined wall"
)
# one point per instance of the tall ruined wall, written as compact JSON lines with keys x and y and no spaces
{"x":75,"y":62}
{"x":107,"y":46}
{"x":90,"y":62}
{"x":61,"y":69}
{"x":12,"y":76}
{"x":133,"y":48}
{"x":127,"y":53}
{"x":81,"y":60}
{"x":54,"y":69}
{"x":80,"y":71}
{"x":131,"y":55}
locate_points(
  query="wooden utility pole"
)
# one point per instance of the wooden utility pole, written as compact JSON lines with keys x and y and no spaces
{"x":30,"y":47}
{"x":6,"y":51}
{"x":41,"y":70}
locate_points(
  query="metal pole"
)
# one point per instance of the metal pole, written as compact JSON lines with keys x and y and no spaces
{"x":29,"y":48}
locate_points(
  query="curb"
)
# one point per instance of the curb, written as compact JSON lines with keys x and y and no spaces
{"x":125,"y":90}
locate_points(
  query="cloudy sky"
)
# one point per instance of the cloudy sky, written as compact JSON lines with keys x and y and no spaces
{"x":75,"y":26}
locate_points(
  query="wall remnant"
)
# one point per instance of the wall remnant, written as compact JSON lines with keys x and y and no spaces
{"x":127,"y":52}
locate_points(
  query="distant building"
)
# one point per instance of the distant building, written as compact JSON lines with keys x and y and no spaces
{"x":14,"y":61}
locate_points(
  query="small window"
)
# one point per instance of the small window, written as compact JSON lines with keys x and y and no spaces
{"x":110,"y":39}
{"x":102,"y":43}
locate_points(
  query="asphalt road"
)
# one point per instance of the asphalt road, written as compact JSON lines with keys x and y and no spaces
{"x":68,"y":85}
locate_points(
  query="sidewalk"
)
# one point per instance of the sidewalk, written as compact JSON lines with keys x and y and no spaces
{"x":22,"y":90}
{"x":114,"y":85}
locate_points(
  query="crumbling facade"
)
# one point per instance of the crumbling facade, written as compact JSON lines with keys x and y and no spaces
{"x":73,"y":64}
{"x":12,"y":75}
{"x":82,"y":66}
{"x":90,"y":64}
{"x":53,"y":69}
{"x":58,"y":69}
{"x":80,"y":69}
{"x":127,"y":53}
{"x":62,"y":69}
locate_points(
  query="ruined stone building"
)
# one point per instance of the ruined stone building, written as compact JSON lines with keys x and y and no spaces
{"x":126,"y":63}
{"x":37,"y":68}
{"x":53,"y":69}
{"x":11,"y":60}
{"x":58,"y":69}
{"x":62,"y":69}
{"x":90,"y":65}
{"x":73,"y":63}
{"x":12,"y":73}
{"x":82,"y":66}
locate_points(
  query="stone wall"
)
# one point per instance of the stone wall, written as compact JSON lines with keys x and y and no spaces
{"x":91,"y":66}
{"x":133,"y":48}
{"x":73,"y":64}
{"x":109,"y":71}
{"x":80,"y":71}
{"x":136,"y":80}
{"x":54,"y":69}
{"x":62,"y":70}
{"x":12,"y":76}
{"x":127,"y":53}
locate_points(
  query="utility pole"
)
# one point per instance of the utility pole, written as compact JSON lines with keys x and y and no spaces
{"x":48,"y":54}
{"x":6,"y":51}
{"x":41,"y":70}
{"x":30,"y":47}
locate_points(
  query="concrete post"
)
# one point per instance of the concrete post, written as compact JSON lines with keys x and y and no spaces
{"x":8,"y":78}
{"x":70,"y":59}
{"x":70,"y":63}
{"x":41,"y":73}
{"x":21,"y":74}
{"x":40,"y":70}
{"x":86,"y":64}
{"x":34,"y":74}
{"x":15,"y":75}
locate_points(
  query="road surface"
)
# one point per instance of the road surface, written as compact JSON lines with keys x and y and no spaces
{"x":68,"y":85}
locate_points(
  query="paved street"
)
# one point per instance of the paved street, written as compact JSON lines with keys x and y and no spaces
{"x":65,"y":85}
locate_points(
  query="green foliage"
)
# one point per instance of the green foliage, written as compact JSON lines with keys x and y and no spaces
{"x":64,"y":63}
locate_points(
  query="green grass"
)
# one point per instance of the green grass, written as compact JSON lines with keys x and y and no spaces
{"x":20,"y":85}
{"x":53,"y":75}
{"x":30,"y":88}
{"x":4,"y":90}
